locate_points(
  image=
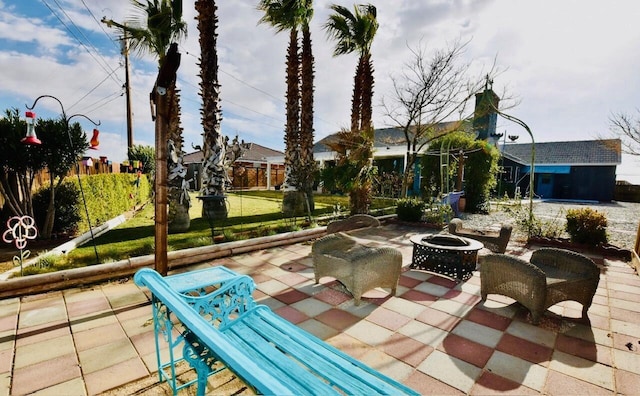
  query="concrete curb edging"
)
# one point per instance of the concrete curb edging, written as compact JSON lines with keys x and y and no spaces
{"x":101,"y":272}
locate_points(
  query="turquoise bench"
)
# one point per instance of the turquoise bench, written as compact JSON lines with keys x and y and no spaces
{"x":212,"y":316}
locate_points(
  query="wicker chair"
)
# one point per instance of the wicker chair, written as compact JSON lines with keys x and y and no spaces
{"x":359,"y":268}
{"x":496,"y":241}
{"x":352,"y":223}
{"x":552,"y":275}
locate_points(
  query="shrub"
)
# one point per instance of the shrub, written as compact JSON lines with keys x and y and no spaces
{"x":534,"y":227}
{"x":410,"y":209}
{"x":67,"y":215}
{"x":586,"y":225}
{"x":438,"y":214}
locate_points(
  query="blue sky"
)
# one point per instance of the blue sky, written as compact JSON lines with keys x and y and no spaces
{"x":570,"y":63}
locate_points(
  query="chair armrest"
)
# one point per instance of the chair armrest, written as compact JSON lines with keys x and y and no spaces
{"x":565,"y":260}
{"x":333,"y":242}
{"x":455,"y":225}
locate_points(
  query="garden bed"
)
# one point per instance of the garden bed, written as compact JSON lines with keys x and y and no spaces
{"x":606,"y":250}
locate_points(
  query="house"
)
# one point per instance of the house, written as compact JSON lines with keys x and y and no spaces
{"x":570,"y":170}
{"x":252,"y":170}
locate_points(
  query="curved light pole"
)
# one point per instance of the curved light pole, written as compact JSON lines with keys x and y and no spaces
{"x":34,"y":141}
{"x":533,"y":159}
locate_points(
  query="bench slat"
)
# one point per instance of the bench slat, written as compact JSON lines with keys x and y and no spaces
{"x":289,"y":371}
{"x":328,"y":362}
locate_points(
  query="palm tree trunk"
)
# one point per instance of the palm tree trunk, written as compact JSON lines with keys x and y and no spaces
{"x":292,"y":205}
{"x":178,"y":195}
{"x":367,"y":92}
{"x":306,"y":119}
{"x":356,"y":100}
{"x":214,"y":168}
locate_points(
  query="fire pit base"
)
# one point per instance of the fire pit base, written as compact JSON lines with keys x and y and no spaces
{"x":452,"y":256}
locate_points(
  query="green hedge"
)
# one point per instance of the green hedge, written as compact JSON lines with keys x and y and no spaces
{"x":410,"y":209}
{"x":110,"y":195}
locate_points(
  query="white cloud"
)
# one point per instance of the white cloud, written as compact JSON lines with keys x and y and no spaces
{"x":571,"y":63}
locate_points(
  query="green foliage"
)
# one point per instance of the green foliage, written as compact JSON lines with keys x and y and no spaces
{"x":410,"y":209}
{"x":533,"y":226}
{"x":47,"y":262}
{"x":147,"y":247}
{"x":438,"y":214}
{"x":61,"y":145}
{"x":110,"y":195}
{"x":19,"y":162}
{"x":14,"y":155}
{"x":480,"y":168}
{"x":67,"y":208}
{"x":586,"y":225}
{"x":144,"y":154}
{"x":330,"y":180}
{"x":354,"y":171}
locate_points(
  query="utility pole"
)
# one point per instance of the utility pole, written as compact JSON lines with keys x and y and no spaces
{"x":125,"y":52}
{"x":127,"y":83}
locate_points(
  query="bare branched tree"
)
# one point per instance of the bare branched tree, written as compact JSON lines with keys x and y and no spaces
{"x":627,"y":129}
{"x":428,"y":92}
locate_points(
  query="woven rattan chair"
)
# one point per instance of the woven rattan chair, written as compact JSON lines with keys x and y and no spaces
{"x":359,"y":268}
{"x":552,"y":275}
{"x":352,"y":223}
{"x":496,"y":241}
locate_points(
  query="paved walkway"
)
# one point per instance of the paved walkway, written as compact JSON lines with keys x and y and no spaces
{"x":436,"y":336}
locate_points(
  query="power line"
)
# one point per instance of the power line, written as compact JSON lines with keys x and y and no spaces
{"x":235,"y":104}
{"x":102,"y":66}
{"x":94,"y":88}
{"x":96,"y":105}
{"x":101,"y":26}
{"x":257,"y":89}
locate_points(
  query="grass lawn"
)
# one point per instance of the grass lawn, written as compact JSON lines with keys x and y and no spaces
{"x":251,"y":214}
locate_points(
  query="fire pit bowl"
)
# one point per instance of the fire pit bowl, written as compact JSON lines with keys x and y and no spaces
{"x":449,"y":255}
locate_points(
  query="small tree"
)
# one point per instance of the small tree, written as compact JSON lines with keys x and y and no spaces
{"x":19,"y":163}
{"x":144,"y":154}
{"x":428,"y":92}
{"x":62,"y":145}
{"x":627,"y":129}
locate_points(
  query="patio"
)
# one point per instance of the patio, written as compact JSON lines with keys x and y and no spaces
{"x":436,"y":336}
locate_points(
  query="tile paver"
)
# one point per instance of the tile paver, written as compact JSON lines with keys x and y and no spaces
{"x":434,"y":335}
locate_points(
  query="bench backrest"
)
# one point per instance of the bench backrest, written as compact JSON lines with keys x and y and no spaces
{"x":257,"y":376}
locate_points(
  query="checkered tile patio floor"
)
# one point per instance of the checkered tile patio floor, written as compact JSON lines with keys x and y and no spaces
{"x":435,"y":335}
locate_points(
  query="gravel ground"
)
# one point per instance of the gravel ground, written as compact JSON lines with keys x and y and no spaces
{"x":622,"y":218}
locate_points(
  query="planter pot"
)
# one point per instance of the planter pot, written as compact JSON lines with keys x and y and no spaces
{"x":214,"y":207}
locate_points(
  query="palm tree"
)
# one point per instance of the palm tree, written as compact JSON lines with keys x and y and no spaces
{"x":299,"y":164}
{"x":354,"y":32}
{"x":308,"y":163}
{"x":214,"y":172}
{"x":157,"y":24}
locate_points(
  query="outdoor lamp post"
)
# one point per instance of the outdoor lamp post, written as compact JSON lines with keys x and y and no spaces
{"x":32,"y":139}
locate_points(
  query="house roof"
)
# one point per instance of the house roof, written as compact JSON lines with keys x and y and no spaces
{"x":582,"y":152}
{"x":255,"y":153}
{"x":383,"y":137}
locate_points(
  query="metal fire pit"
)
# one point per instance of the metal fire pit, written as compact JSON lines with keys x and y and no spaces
{"x":452,"y":256}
